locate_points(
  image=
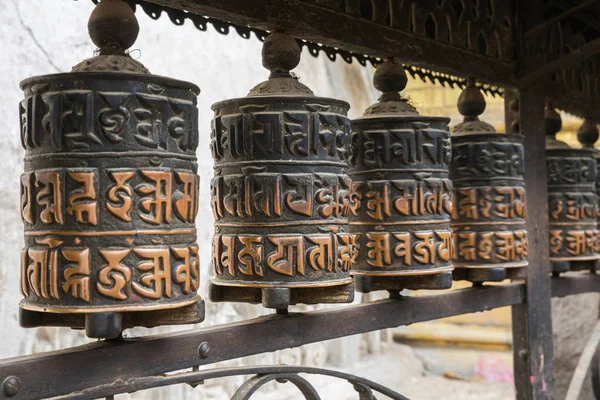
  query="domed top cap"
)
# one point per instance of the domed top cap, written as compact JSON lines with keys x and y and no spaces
{"x":114,"y":28}
{"x":390,"y":79}
{"x":280,"y":54}
{"x":471,"y":104}
{"x":587,"y":134}
{"x":553,"y":126}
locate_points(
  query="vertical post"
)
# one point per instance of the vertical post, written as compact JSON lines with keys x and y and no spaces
{"x":532,"y":321}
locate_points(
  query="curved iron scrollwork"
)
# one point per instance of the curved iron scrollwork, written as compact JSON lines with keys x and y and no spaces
{"x":261,"y":375}
{"x":201,"y":22}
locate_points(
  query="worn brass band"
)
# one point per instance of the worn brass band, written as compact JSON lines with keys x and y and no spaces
{"x":109,"y":193}
{"x":401,"y":196}
{"x":572,"y":204}
{"x":280,"y":193}
{"x":488,"y":220}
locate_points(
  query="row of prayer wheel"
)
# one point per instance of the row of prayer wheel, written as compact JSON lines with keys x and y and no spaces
{"x":307,"y":204}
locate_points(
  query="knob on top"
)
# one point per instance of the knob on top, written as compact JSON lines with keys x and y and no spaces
{"x":587,"y":134}
{"x":280,"y":53}
{"x":113,"y":27}
{"x":390,"y":77}
{"x":471,"y":103}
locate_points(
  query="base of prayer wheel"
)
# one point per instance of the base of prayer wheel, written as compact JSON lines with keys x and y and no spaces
{"x":109,"y":325}
{"x":558,"y":267}
{"x":495,"y":274}
{"x":280,"y":297}
{"x":373,"y":283}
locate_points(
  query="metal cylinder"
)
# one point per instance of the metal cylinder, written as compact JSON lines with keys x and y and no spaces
{"x":280,"y":192}
{"x":488,"y":220}
{"x":572,"y":202}
{"x":109,"y":198}
{"x":401,"y":200}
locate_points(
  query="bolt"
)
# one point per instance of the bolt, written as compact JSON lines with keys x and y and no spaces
{"x":11,"y":386}
{"x":204,"y":349}
{"x":523,"y":354}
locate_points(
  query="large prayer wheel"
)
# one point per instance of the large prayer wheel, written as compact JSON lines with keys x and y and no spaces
{"x":109,"y":195}
{"x":280,"y":191}
{"x":401,"y":201}
{"x":488,"y":220}
{"x":572,"y":201}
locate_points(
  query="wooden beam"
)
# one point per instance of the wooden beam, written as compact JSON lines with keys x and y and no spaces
{"x":532,"y":72}
{"x":532,"y":321}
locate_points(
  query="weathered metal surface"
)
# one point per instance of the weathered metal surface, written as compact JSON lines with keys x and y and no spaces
{"x":280,"y":194}
{"x":38,"y":374}
{"x":572,"y":200}
{"x":488,"y":218}
{"x":109,"y":194}
{"x":401,"y":201}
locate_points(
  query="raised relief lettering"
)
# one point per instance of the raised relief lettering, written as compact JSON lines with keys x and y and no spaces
{"x":321,"y":256}
{"x":186,"y":202}
{"x":82,"y":202}
{"x":42,"y":273}
{"x":114,"y":277}
{"x":379,"y":253}
{"x":425,"y":249}
{"x":156,"y":208}
{"x":49,"y":197}
{"x":378,"y":204}
{"x":402,"y":249}
{"x":184,"y":274}
{"x":155,"y":282}
{"x":251,"y":255}
{"x":288,"y":257}
{"x":299,"y":195}
{"x":77,"y":275}
{"x":26,"y":198}
{"x":120,"y":195}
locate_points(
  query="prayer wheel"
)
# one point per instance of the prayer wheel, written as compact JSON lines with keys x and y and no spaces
{"x":280,"y":192}
{"x":488,"y":220}
{"x":588,"y":134}
{"x":401,"y":194}
{"x":572,"y":201}
{"x":109,"y":195}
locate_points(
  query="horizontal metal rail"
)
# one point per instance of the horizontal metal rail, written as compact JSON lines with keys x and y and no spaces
{"x":61,"y":373}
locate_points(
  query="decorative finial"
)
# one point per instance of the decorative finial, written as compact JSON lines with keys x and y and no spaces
{"x":471,"y":104}
{"x":553,"y":126}
{"x":114,"y":28}
{"x":587,"y":134}
{"x":280,"y":55}
{"x":390,"y":79}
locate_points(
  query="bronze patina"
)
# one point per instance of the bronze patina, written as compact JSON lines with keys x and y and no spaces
{"x":280,"y":192}
{"x":401,"y":197}
{"x":572,"y":201}
{"x":109,"y":195}
{"x":488,"y":220}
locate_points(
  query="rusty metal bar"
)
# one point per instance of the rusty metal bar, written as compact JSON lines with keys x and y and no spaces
{"x":59,"y":373}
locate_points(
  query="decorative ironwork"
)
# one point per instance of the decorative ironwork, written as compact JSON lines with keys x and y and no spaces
{"x":488,"y":219}
{"x":401,"y":194}
{"x":280,"y":194}
{"x":202,"y":23}
{"x":572,"y":201}
{"x":109,"y":195}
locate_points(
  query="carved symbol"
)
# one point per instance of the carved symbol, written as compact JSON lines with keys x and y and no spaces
{"x":84,"y":211}
{"x":120,"y":195}
{"x":157,"y":206}
{"x":113,"y":278}
{"x":42,"y":273}
{"x":77,"y":275}
{"x":157,"y":281}
{"x":49,"y":197}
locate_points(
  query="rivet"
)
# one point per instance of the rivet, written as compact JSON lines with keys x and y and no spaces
{"x":204,"y":349}
{"x":11,"y":386}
